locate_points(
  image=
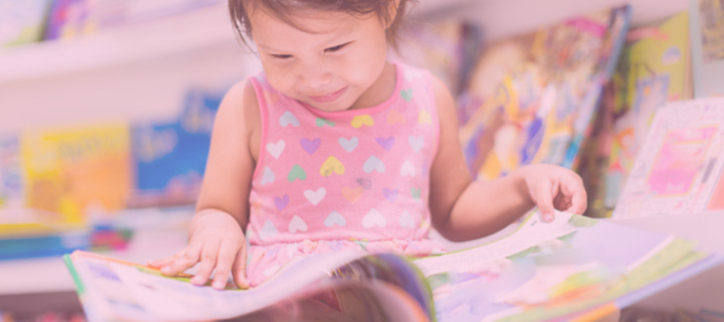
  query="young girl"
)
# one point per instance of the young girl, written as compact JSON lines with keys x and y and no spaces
{"x":334,"y":147}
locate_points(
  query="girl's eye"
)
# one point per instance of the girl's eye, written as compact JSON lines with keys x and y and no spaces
{"x":335,"y":48}
{"x":282,"y":57}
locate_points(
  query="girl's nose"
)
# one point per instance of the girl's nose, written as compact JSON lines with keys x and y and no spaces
{"x":315,"y":76}
{"x":317,"y":80}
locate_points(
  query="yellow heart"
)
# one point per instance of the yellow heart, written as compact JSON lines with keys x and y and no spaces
{"x":331,"y":166}
{"x":362,"y":120}
{"x":395,"y":117}
{"x":424,"y":117}
{"x":352,"y":194}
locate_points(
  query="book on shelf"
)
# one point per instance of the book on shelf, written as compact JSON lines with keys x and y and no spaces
{"x":654,"y":68}
{"x":707,"y":47}
{"x":169,"y":159}
{"x":22,"y":21}
{"x":678,"y":169}
{"x":534,"y":95}
{"x":540,"y":271}
{"x":71,"y":171}
{"x":657,"y":70}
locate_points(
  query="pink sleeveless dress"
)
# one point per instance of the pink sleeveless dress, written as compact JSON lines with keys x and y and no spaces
{"x":327,"y":181}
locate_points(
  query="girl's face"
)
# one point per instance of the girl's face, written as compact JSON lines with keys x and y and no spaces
{"x":331,"y":62}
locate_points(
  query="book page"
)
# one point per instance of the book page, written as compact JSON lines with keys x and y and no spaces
{"x":114,"y":287}
{"x":532,"y":232}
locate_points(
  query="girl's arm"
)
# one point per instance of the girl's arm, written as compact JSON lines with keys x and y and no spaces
{"x":230,"y":165}
{"x":463,"y":209}
{"x":217,"y":240}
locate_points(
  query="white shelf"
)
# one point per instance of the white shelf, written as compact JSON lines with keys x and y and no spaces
{"x":201,"y":28}
{"x":42,"y":275}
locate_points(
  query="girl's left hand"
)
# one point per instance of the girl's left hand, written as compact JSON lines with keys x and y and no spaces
{"x":554,"y":188}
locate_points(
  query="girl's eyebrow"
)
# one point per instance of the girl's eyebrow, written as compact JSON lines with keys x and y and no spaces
{"x":266,"y":48}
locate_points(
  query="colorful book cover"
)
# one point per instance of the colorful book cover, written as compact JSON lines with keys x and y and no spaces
{"x":22,"y":21}
{"x":445,"y":48}
{"x":12,"y":183}
{"x":678,"y":169}
{"x":73,"y":18}
{"x":707,"y":46}
{"x":535,"y":95}
{"x":656,"y":70}
{"x":71,"y":172}
{"x":170,"y":159}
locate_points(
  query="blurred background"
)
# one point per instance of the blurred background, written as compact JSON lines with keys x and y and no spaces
{"x":106,"y":108}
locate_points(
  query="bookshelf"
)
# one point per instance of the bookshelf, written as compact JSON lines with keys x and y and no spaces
{"x":202,"y":28}
{"x":49,"y":274}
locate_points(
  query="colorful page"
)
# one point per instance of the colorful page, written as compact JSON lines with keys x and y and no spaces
{"x":707,"y":46}
{"x":657,"y":70}
{"x":678,"y":168}
{"x":114,"y":290}
{"x":535,"y":95}
{"x":74,"y":171}
{"x":560,"y":269}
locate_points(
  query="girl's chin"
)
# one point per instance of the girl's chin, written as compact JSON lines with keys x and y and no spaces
{"x":329,"y":108}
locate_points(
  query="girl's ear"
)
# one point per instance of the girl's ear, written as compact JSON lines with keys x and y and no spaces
{"x":394,"y":5}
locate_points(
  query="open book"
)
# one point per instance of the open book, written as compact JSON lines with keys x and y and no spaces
{"x":565,"y":269}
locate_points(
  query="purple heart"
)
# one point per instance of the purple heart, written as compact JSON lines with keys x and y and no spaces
{"x":386,"y":143}
{"x":390,"y":195}
{"x":281,"y":202}
{"x":310,"y":146}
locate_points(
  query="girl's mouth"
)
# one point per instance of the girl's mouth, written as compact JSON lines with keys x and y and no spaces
{"x":329,"y":97}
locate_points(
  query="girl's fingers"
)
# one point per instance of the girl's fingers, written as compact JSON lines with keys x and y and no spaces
{"x":543,"y":197}
{"x":239,"y":269}
{"x":183,"y":260}
{"x":206,"y":264}
{"x":226,"y":256}
{"x":573,"y":188}
{"x":158,"y":263}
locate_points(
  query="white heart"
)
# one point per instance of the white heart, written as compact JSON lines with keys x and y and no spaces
{"x":335,"y":218}
{"x":267,"y":177}
{"x":349,"y":144}
{"x":408,"y":169}
{"x":297,"y":224}
{"x":373,"y":164}
{"x":374,"y":218}
{"x":271,"y":270}
{"x":315,"y":197}
{"x":288,"y":118}
{"x":268,"y":231}
{"x":406,"y":220}
{"x":416,"y":142}
{"x":276,"y":149}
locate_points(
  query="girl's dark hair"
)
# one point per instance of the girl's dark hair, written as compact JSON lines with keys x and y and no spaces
{"x":283,"y":9}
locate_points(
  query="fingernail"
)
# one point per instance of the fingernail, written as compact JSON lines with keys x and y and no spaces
{"x":197,"y":280}
{"x":547,"y":217}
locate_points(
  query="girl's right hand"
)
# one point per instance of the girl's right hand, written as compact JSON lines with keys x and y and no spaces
{"x":218,"y":244}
